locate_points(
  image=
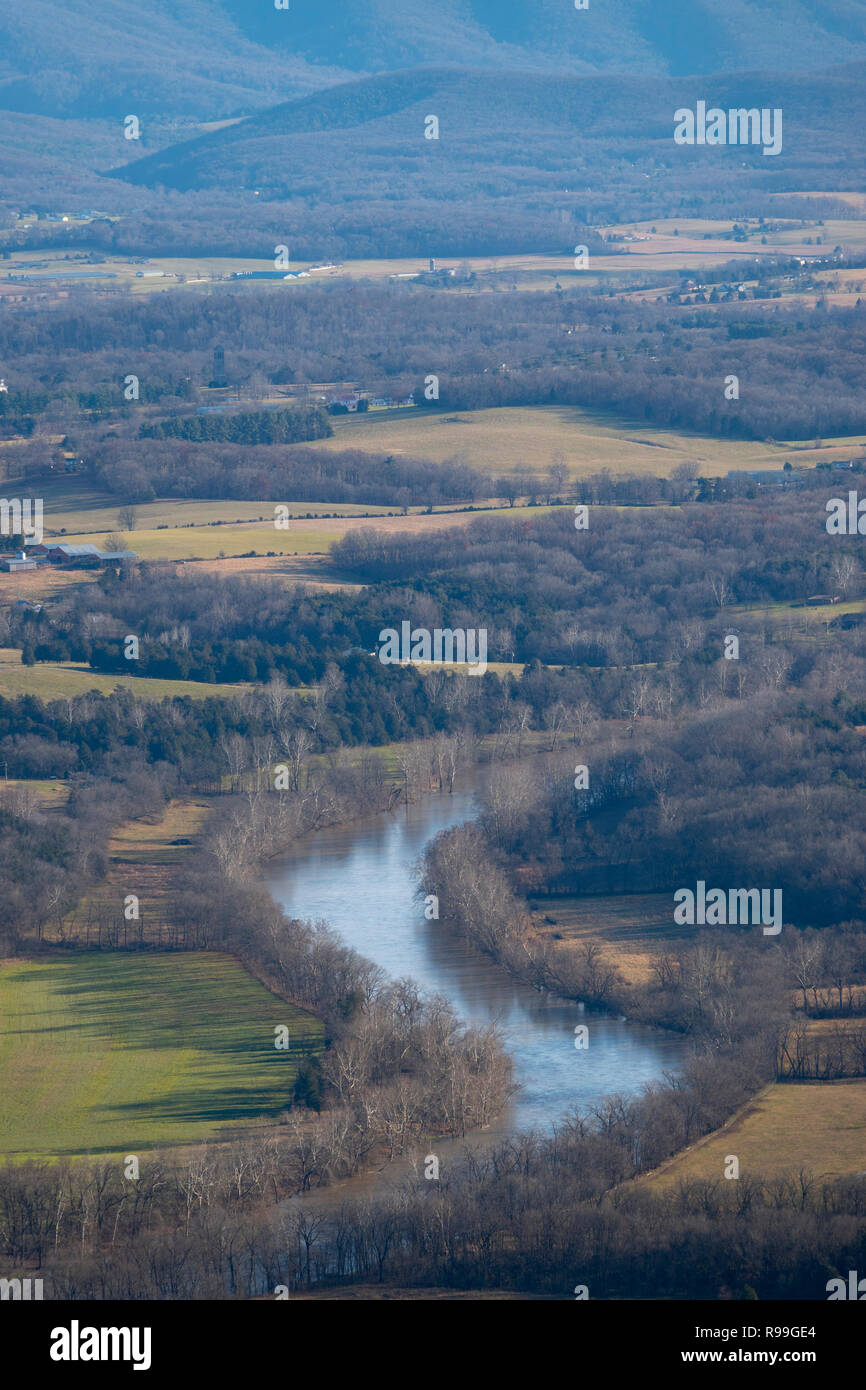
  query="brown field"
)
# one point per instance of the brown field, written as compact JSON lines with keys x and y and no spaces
{"x":210,"y":543}
{"x":38,"y":585}
{"x":503,"y":440}
{"x":817,"y":1126}
{"x":314,"y":571}
{"x":146,"y":857}
{"x":632,"y":928}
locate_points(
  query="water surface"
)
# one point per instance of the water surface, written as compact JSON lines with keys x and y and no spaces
{"x":362,"y":879}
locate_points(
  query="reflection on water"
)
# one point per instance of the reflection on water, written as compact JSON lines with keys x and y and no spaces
{"x":362,"y":879}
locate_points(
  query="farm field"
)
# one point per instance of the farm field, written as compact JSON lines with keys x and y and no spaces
{"x":78,"y":508}
{"x":502,"y":440}
{"x":658,"y":239}
{"x":35,"y":586}
{"x":632,"y":928}
{"x":799,"y":615}
{"x":303,"y":538}
{"x":208,"y":543}
{"x":224,"y":532}
{"x":699,"y":242}
{"x":109,"y":1053}
{"x":57,"y":680}
{"x":156,"y":846}
{"x":313,"y":571}
{"x":816,"y":1126}
{"x":145,"y":857}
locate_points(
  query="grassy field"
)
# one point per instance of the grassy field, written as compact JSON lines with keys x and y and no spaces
{"x":228,"y":545}
{"x":117,"y":1053}
{"x":234,"y":537}
{"x":51,"y":791}
{"x":72,"y":506}
{"x":58,"y":680}
{"x":818,"y":1126}
{"x":632,"y":928}
{"x":502,"y":440}
{"x":796,"y":615}
{"x":208,"y":543}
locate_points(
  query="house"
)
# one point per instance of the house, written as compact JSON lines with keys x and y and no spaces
{"x":21,"y":561}
{"x":818,"y":600}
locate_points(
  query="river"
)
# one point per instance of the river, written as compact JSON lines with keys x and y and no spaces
{"x":362,"y":878}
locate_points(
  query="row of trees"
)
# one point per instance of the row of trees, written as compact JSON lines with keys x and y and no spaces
{"x":531,"y":1214}
{"x":245,"y":427}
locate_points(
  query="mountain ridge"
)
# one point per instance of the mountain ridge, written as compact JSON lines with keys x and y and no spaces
{"x":376,"y":109}
{"x":98,"y":58}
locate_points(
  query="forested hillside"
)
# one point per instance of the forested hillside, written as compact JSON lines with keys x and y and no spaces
{"x":518,"y":159}
{"x":662,"y":363}
{"x":89,"y":58}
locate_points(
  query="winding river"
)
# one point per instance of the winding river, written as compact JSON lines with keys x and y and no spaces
{"x":362,"y":879}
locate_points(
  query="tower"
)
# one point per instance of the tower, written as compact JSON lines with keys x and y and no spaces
{"x":219,"y":367}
